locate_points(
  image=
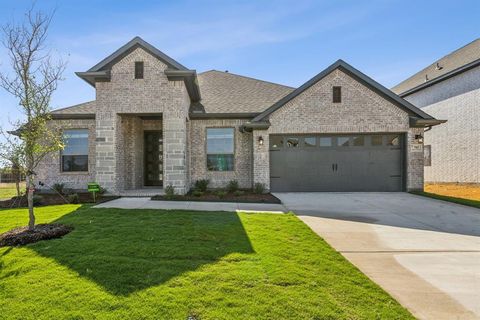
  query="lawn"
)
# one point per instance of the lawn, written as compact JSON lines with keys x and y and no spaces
{"x":152,"y":264}
{"x":7,"y":190}
{"x":466,"y":194}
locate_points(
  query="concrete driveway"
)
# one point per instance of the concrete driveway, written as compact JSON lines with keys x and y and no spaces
{"x":424,"y":252}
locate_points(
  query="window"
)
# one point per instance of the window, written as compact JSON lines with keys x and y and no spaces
{"x":326,"y":141}
{"x":75,"y":154}
{"x":276,"y":142}
{"x":377,"y":140}
{"x":292,"y":142}
{"x":358,"y":141}
{"x":393,"y":140}
{"x":220,"y":149}
{"x":343,"y":141}
{"x":310,"y":141}
{"x":337,"y":94}
{"x":139,"y":70}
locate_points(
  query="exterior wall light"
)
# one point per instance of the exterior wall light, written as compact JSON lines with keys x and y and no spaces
{"x":419,"y":138}
{"x":260,"y":140}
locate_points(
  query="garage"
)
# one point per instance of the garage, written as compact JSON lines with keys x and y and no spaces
{"x":343,"y":163}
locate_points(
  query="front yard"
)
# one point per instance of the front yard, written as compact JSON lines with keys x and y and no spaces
{"x":151,"y":264}
{"x":8,"y":190}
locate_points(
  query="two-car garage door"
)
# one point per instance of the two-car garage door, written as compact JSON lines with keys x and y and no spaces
{"x":356,"y":162}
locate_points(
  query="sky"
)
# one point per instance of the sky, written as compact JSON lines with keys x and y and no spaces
{"x":286,"y":42}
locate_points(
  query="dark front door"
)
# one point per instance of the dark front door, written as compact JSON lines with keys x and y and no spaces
{"x":354,"y":162}
{"x":153,"y":151}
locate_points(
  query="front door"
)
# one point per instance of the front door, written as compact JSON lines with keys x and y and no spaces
{"x":153,"y":151}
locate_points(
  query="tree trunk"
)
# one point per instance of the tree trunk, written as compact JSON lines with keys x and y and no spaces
{"x":17,"y":185}
{"x":31,"y":215}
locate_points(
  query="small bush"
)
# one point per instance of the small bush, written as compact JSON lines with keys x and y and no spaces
{"x":37,"y":200}
{"x":259,"y":188}
{"x":59,"y":187}
{"x":169,"y":192}
{"x":202,"y":184}
{"x":221,"y":193}
{"x":232,"y":186}
{"x":239,"y":193}
{"x":102,"y":191}
{"x":197,"y":193}
{"x":73,"y":198}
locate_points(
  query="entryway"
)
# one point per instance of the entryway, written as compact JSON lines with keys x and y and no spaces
{"x":153,"y":155}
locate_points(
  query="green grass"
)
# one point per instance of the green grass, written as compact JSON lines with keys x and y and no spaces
{"x":466,"y":202}
{"x":153,"y":264}
{"x":7,"y":191}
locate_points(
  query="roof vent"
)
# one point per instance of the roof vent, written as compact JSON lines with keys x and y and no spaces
{"x":438,"y":66}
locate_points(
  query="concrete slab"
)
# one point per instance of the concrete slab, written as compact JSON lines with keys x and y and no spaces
{"x":424,"y":252}
{"x":146,"y":203}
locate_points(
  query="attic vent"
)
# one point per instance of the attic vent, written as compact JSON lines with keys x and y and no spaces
{"x":138,"y":69}
{"x":438,"y":66}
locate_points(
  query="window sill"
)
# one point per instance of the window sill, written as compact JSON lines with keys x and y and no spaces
{"x":75,"y":173}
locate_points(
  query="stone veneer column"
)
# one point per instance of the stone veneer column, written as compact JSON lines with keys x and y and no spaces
{"x":174,"y":152}
{"x":261,"y":159}
{"x":414,"y":160}
{"x":106,"y":151}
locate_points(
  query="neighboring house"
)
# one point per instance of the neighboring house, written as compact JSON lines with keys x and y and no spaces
{"x":450,"y":89}
{"x":156,"y":123}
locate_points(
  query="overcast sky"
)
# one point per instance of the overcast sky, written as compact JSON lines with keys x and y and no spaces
{"x":286,"y":42}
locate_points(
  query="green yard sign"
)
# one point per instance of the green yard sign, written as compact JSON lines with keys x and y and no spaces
{"x":93,"y":187}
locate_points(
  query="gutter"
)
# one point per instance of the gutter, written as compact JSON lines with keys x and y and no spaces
{"x":424,"y":123}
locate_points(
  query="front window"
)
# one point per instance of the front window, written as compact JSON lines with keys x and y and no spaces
{"x":220,"y":149}
{"x":75,"y":154}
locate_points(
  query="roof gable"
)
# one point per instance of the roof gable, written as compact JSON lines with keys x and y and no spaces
{"x":357,"y":75}
{"x":136,"y":42}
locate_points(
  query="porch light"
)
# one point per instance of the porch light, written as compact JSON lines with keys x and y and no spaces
{"x":419,"y":138}
{"x":260,"y":140}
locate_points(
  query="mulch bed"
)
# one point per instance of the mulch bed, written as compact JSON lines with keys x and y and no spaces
{"x":53,"y":199}
{"x":22,"y":236}
{"x":229,"y":197}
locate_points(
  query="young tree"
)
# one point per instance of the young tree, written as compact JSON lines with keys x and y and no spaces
{"x":33,"y":80}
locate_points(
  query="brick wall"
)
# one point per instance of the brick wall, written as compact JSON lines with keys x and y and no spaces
{"x":361,"y":110}
{"x":49,"y":170}
{"x":243,"y":154}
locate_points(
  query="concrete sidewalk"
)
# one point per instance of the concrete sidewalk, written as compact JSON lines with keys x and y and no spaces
{"x":146,"y":203}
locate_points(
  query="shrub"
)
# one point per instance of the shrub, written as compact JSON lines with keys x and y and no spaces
{"x":37,"y":200}
{"x":232,"y":186}
{"x":221,"y":193}
{"x":239,"y":193}
{"x":102,"y":191}
{"x":202,"y":184}
{"x":259,"y":188}
{"x":169,"y":192}
{"x":197,"y":193}
{"x":59,"y":187}
{"x":73,"y":198}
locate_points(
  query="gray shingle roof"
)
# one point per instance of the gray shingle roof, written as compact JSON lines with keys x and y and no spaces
{"x":455,"y":60}
{"x":82,"y":108}
{"x":224,"y":92}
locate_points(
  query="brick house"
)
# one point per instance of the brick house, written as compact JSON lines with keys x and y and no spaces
{"x":156,"y":123}
{"x":449,"y":88}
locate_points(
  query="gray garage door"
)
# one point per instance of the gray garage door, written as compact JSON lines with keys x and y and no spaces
{"x":359,"y":162}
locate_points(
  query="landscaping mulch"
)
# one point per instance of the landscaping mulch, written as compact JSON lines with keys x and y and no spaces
{"x":53,"y":199}
{"x":229,"y":197}
{"x":22,"y":236}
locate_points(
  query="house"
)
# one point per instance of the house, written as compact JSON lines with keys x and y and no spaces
{"x":155,"y":123}
{"x":449,"y":89}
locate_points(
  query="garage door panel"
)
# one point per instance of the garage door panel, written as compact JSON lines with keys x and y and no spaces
{"x":338,"y":168}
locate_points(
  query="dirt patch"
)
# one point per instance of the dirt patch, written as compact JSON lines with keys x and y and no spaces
{"x":47,"y":199}
{"x":229,"y":197}
{"x":22,"y":236}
